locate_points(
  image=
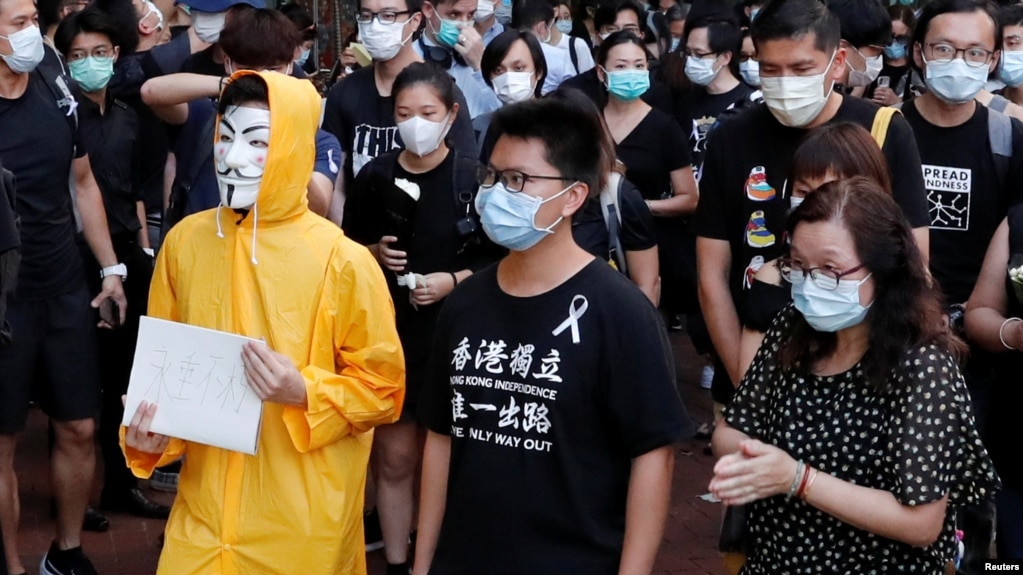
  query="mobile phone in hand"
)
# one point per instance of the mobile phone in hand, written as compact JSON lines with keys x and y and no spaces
{"x":883,"y":81}
{"x":110,"y":312}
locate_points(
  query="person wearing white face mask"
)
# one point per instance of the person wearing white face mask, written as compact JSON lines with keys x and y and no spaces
{"x":538,"y":17}
{"x":187,"y":100}
{"x":359,"y":110}
{"x":711,"y":45}
{"x":515,"y":67}
{"x":485,"y":19}
{"x":971,"y":174}
{"x":749,"y":66}
{"x":742,"y":211}
{"x":52,"y":313}
{"x":209,"y":17}
{"x":866,"y":30}
{"x":435,"y":244}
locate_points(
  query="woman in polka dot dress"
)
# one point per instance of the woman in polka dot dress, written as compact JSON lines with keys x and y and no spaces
{"x":851,"y":437}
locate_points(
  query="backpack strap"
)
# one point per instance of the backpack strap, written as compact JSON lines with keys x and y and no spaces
{"x":998,"y":103}
{"x":999,"y":132}
{"x":882,"y":121}
{"x":573,"y":54}
{"x":610,"y":207}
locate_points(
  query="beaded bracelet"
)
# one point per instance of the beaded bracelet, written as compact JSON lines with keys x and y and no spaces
{"x":809,"y":484}
{"x":800,"y":466}
{"x":1001,"y":329}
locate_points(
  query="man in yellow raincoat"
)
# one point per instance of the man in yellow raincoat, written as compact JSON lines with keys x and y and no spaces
{"x":263,"y":266}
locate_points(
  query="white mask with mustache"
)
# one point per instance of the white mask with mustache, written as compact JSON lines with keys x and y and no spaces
{"x":240,"y":154}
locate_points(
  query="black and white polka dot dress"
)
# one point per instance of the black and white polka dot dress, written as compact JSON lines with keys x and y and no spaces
{"x":916,"y":440}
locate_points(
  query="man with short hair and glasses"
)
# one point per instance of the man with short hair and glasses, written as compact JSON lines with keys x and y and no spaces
{"x":550,"y":404}
{"x":360,"y":109}
{"x":971,"y":174}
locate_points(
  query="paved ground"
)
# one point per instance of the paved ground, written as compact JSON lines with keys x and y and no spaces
{"x":131,"y":546}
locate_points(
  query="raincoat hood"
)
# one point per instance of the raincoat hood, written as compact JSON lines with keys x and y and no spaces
{"x":294,"y":118}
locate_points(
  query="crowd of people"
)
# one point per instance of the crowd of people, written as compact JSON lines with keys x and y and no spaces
{"x":464,"y":249}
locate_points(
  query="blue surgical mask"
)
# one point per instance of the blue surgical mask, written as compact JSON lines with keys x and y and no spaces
{"x":627,"y":85}
{"x":92,"y":73}
{"x":1011,"y":69}
{"x":564,"y":26}
{"x":674,"y":44}
{"x":753,"y":14}
{"x":750,"y":71}
{"x":895,"y":51}
{"x":449,"y":32}
{"x":830,"y":310}
{"x":509,"y":218}
{"x":303,"y":58}
{"x":955,"y":82}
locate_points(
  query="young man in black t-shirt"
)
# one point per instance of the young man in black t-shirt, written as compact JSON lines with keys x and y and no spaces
{"x":551,"y":404}
{"x":52,"y":358}
{"x":712,"y":47}
{"x":742,"y":208}
{"x":360,"y":109}
{"x":972,"y":179}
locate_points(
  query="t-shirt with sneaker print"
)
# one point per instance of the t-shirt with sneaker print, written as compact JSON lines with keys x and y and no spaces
{"x":743,"y":197}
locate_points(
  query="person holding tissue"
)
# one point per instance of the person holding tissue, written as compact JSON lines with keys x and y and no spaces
{"x":262,"y":265}
{"x":414,"y":209}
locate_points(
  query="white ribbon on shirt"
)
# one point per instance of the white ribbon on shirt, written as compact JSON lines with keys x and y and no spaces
{"x":574,"y":313}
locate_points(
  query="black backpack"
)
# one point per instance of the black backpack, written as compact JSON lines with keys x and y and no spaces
{"x":10,"y":249}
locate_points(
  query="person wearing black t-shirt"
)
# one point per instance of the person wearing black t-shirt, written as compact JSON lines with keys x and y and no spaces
{"x":970,"y":184}
{"x":742,"y":207}
{"x":653,"y":148}
{"x":360,"y":109}
{"x":898,"y":81}
{"x":550,"y":401}
{"x":713,"y":68}
{"x":52,"y":313}
{"x":413,"y":209}
{"x":110,"y":131}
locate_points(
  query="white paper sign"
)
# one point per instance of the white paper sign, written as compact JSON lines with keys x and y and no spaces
{"x":196,"y":378}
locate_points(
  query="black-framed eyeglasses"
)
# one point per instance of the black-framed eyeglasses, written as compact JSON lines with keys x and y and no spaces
{"x":700,"y":55}
{"x":384,"y":17}
{"x":824,"y":278}
{"x":944,"y":53}
{"x":512,"y":180}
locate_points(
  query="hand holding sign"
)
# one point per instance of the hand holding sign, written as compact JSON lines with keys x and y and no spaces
{"x":273,"y":376}
{"x":139,"y":437}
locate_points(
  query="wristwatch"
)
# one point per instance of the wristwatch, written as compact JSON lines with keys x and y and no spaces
{"x":118,"y":270}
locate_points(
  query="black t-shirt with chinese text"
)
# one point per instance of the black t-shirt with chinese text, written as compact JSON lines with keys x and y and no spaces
{"x":697,"y":112}
{"x":37,"y":144}
{"x":363,"y":122}
{"x":112,"y":140}
{"x":748,"y":160}
{"x":547,"y":400}
{"x":966,"y":201}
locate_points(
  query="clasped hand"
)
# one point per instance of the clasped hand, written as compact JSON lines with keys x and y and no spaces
{"x":756,"y":471}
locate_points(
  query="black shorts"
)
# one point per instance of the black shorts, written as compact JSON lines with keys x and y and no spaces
{"x":52,"y":360}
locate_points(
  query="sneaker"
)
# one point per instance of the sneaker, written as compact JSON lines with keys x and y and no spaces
{"x":757,"y":234}
{"x":166,"y":478}
{"x":757,"y":188}
{"x":66,"y":562}
{"x":707,"y":377}
{"x":371,"y":531}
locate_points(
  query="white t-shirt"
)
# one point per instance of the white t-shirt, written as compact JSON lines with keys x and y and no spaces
{"x":582,"y":52}
{"x":559,"y":67}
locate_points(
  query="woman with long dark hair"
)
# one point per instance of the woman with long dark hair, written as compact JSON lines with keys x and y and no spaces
{"x":851,"y":435}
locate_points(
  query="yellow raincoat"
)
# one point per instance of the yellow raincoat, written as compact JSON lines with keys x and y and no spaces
{"x":295,"y":508}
